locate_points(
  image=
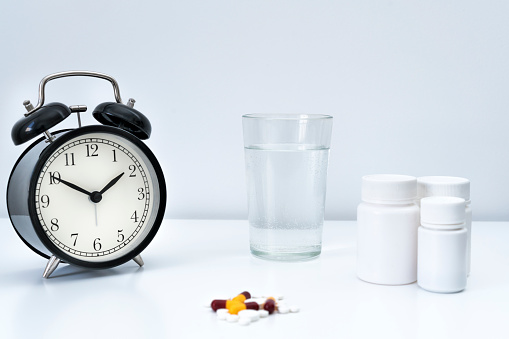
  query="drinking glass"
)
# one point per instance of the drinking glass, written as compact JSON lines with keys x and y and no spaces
{"x":286,"y":173}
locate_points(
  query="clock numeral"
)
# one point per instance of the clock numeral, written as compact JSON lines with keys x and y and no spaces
{"x":69,"y":159}
{"x":132,"y":168}
{"x":120,"y":236}
{"x":92,"y":150}
{"x":97,"y":244}
{"x":135,"y":216}
{"x":54,"y":224}
{"x":141,"y":193}
{"x":114,"y":155}
{"x":54,"y":178}
{"x":44,"y":201}
{"x":75,"y":239}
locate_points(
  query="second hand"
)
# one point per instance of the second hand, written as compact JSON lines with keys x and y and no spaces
{"x":96,"y":223}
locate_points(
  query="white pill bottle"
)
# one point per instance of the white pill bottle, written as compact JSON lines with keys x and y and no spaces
{"x":387,"y":223}
{"x":442,"y":245}
{"x":436,"y":186}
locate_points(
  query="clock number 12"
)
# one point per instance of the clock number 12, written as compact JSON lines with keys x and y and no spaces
{"x":92,"y":150}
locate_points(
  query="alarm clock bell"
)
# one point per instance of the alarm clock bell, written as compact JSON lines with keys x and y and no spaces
{"x":38,"y":120}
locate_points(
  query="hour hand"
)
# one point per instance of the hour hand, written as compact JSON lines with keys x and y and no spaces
{"x":73,"y":186}
{"x":111,"y":183}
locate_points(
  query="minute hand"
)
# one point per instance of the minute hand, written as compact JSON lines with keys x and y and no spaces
{"x":73,"y":186}
{"x":111,"y":183}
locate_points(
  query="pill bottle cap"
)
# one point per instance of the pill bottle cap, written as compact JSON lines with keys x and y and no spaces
{"x":443,"y":210}
{"x":443,"y":186}
{"x":389,"y":188}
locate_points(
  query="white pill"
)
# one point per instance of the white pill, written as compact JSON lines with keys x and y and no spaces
{"x":294,"y":309}
{"x":222,"y":311}
{"x":231,"y":318}
{"x":253,"y":315}
{"x":283,"y":309}
{"x":222,"y":316}
{"x":244,"y":321}
{"x":263,"y":313}
{"x":279,"y":297}
{"x":281,"y":304}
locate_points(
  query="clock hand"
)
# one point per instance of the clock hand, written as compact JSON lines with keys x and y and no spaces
{"x":73,"y":186}
{"x":95,"y":208}
{"x":111,"y":183}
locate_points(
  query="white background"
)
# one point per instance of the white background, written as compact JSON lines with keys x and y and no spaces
{"x":415,"y":87}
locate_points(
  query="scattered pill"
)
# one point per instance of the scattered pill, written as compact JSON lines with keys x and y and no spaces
{"x":269,"y":305}
{"x":236,"y":307}
{"x":242,"y":296}
{"x":281,"y":304}
{"x":263,"y":313}
{"x":252,"y":306}
{"x":246,"y":309}
{"x":231,"y":318}
{"x":283,"y":309}
{"x":259,"y":301}
{"x":222,"y":303}
{"x":251,"y":314}
{"x":277,"y":297}
{"x":222,"y":311}
{"x":244,"y":321}
{"x":222,"y":316}
{"x":218,"y":304}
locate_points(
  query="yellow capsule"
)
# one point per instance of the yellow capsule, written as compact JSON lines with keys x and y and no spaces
{"x":241,"y":298}
{"x":236,"y":307}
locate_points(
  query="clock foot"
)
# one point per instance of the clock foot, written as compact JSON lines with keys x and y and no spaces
{"x":137,"y":259}
{"x":51,"y":266}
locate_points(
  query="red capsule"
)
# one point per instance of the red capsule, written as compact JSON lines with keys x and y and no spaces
{"x":217,"y":304}
{"x":270,"y":305}
{"x":252,"y":306}
{"x":246,"y":294}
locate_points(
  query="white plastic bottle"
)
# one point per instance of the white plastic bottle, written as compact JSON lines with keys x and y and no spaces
{"x":442,"y":245}
{"x":387,"y":223}
{"x":434,"y":186}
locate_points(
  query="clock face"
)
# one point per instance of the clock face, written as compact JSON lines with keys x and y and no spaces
{"x":96,"y":196}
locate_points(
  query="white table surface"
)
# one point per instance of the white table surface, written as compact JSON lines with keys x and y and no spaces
{"x":191,"y":262}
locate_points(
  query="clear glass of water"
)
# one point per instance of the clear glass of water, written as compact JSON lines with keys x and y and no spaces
{"x":286,"y":173}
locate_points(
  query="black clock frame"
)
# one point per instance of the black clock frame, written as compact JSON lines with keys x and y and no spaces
{"x":21,"y":157}
{"x":48,"y":151}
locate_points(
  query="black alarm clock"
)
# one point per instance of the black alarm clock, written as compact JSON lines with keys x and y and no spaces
{"x":93,"y":196}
